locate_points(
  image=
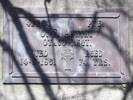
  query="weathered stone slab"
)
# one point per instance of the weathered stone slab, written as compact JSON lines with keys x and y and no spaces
{"x":88,"y":46}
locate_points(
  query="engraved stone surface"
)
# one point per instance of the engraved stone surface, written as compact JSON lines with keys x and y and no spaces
{"x":78,"y":47}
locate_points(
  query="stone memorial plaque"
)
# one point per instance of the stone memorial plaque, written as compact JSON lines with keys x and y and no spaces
{"x":67,"y":47}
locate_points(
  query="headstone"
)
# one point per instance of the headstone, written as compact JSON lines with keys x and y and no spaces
{"x":88,"y":46}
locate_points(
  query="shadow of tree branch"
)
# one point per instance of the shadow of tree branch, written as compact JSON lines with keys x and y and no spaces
{"x":14,"y":12}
